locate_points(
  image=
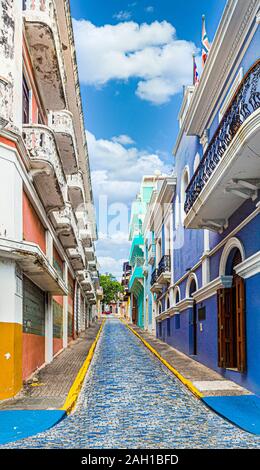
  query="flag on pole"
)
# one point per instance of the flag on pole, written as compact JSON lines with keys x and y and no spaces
{"x":195,"y":72}
{"x":205,"y":42}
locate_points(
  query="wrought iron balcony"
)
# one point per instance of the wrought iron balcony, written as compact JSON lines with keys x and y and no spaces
{"x":45,"y":46}
{"x":61,"y":122}
{"x":154,"y":277}
{"x":156,"y":286}
{"x":46,"y":167}
{"x":164,"y":265}
{"x":244,"y":104}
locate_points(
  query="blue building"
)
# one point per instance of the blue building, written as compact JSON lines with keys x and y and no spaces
{"x":139,"y":283}
{"x":206,"y":293}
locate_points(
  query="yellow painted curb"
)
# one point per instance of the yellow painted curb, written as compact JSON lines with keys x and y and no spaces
{"x":77,"y":384}
{"x":185,"y":381}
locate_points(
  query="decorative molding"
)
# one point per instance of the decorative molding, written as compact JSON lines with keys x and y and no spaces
{"x":211,"y":288}
{"x":230,"y":245}
{"x":216,"y":248}
{"x":249,"y":267}
{"x":184,"y":304}
{"x":192,"y":277}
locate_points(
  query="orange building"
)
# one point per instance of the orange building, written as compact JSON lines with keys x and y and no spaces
{"x":48,"y":268}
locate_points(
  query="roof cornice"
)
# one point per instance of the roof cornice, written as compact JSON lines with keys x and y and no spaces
{"x":237,"y":19}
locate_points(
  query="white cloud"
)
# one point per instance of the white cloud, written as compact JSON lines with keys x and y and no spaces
{"x":111,"y":265}
{"x":122,"y":15}
{"x":149,"y":9}
{"x":117,"y":170}
{"x":150,"y":53}
{"x":123,"y":139}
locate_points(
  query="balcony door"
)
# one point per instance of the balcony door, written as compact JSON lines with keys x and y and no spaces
{"x":231,"y":323}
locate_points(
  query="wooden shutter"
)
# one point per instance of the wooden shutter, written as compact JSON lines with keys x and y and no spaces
{"x":225,"y":329}
{"x":240,"y":323}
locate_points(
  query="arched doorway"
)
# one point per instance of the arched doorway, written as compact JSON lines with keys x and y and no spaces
{"x":231,"y":317}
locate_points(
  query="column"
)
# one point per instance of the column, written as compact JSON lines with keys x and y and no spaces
{"x":205,"y":260}
{"x":48,"y":329}
{"x":65,"y":308}
{"x":171,"y":243}
{"x":49,"y":246}
{"x":10,"y":329}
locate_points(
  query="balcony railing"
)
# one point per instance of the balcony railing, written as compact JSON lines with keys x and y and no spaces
{"x":138,"y":261}
{"x":46,"y":165}
{"x":154,"y":277}
{"x":244,"y":103}
{"x":76,"y":189}
{"x":151,"y":253}
{"x":61,"y":122}
{"x":66,"y":226}
{"x":164,"y":265}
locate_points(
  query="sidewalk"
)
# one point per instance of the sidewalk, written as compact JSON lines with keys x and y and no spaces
{"x":40,"y":405}
{"x":205,"y":380}
{"x":50,"y":386}
{"x":225,"y":397}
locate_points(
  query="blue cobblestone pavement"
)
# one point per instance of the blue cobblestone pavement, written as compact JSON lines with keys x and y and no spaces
{"x":130,"y":400}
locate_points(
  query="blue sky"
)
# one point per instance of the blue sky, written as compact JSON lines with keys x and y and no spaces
{"x":134,"y":57}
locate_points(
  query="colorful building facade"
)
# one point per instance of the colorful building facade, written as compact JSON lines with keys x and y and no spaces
{"x":204,"y":247}
{"x":48,"y":267}
{"x":139,"y":281}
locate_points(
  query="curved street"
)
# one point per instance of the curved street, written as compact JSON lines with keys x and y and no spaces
{"x":130,"y":400}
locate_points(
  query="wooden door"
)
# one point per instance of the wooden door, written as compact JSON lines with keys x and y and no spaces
{"x":225,"y":329}
{"x":239,"y":285}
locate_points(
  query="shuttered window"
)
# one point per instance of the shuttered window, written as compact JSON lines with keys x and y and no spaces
{"x":33,"y":308}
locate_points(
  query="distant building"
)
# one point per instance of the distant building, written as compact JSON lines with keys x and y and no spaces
{"x":126,"y":298}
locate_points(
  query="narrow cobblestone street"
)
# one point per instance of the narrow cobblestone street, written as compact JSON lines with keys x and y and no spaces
{"x":130,"y":400}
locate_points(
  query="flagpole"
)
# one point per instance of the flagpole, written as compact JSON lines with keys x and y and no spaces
{"x":193,"y":57}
